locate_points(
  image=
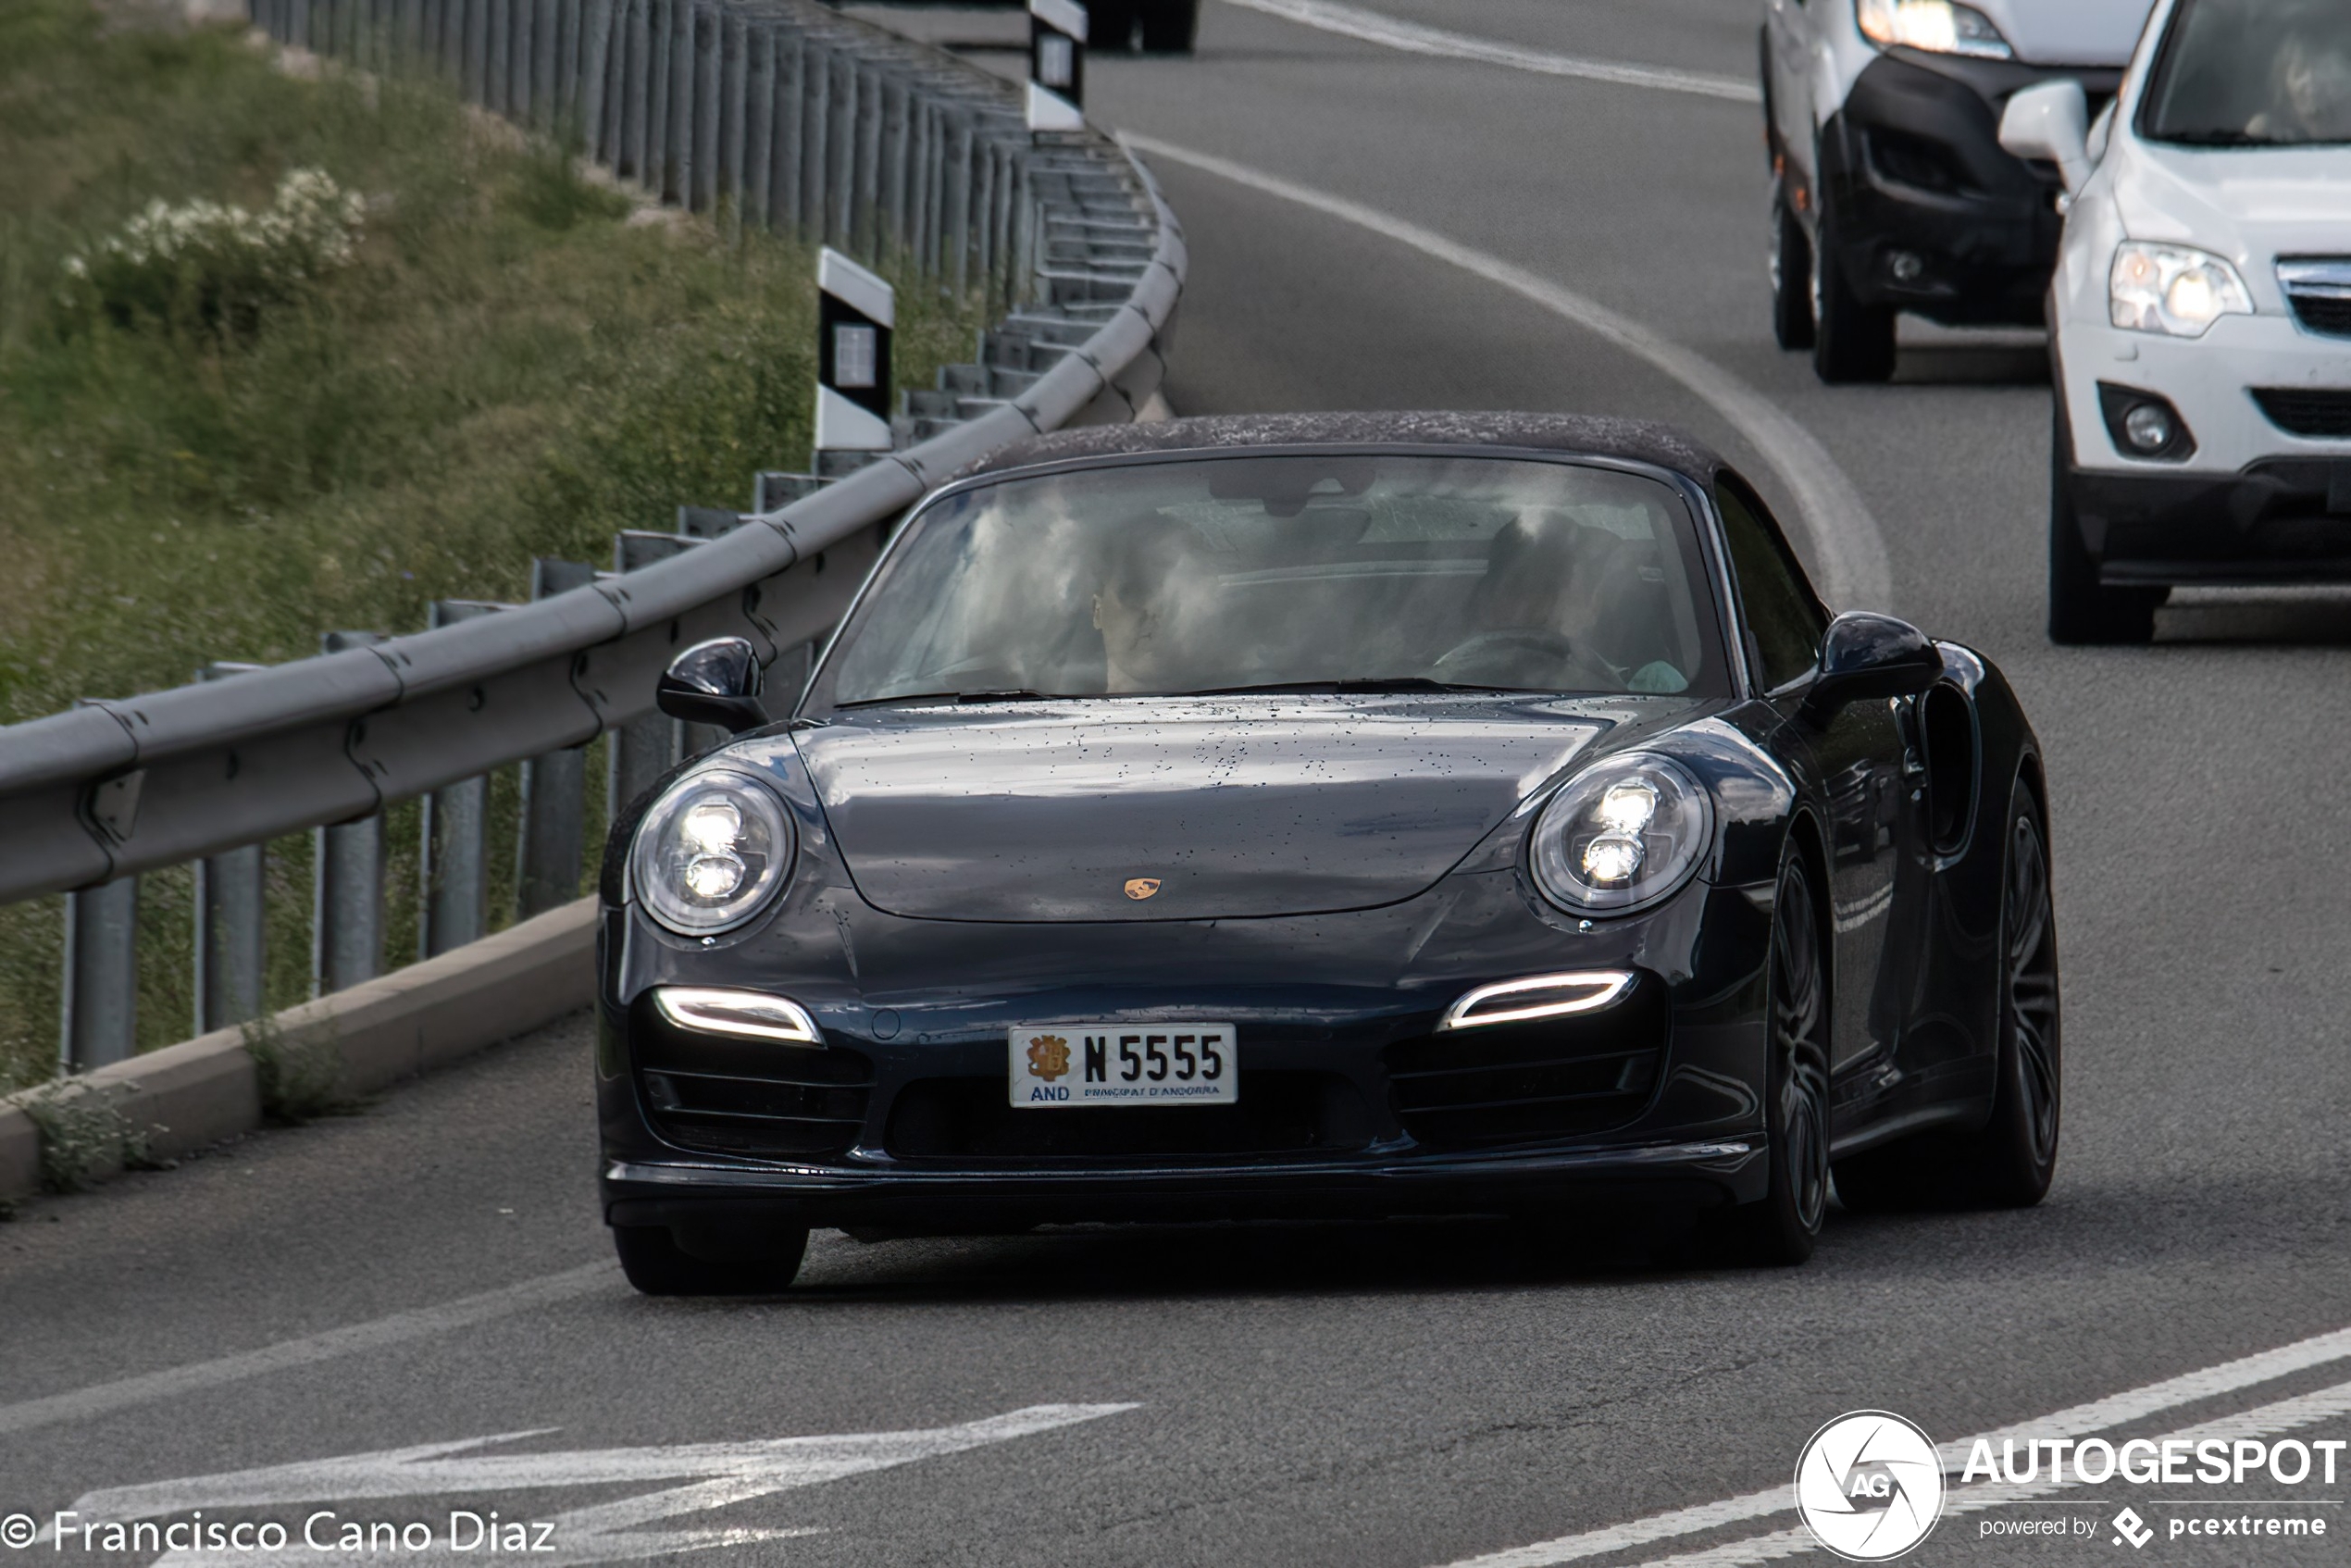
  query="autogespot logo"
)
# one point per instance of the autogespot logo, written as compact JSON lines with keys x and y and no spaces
{"x":1870,"y":1485}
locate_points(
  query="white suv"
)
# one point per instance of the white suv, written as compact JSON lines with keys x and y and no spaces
{"x":2200,"y":315}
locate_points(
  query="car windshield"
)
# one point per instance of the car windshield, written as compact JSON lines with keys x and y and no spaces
{"x":2253,"y":73}
{"x":1217,"y":575}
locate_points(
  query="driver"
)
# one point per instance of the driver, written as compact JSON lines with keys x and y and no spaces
{"x":1146,"y":581}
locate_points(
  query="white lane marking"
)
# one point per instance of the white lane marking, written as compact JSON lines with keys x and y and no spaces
{"x":421,"y":1322}
{"x":721,"y":1475}
{"x":2285,"y":1415}
{"x":2098,"y":1415}
{"x":1371,"y":27}
{"x":1847,"y":546}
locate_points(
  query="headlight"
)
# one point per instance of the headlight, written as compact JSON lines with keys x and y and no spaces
{"x":1621,"y":835}
{"x":1939,"y":27}
{"x":2172,"y":288}
{"x":711,"y":853}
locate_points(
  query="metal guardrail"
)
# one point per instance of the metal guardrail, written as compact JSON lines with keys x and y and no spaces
{"x":768,"y":111}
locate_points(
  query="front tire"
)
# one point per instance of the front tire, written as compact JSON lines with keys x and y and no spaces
{"x":1782,"y":1226}
{"x":1852,"y":341}
{"x":2083,"y":612}
{"x":2008,"y":1163}
{"x":1170,"y":26}
{"x":656,"y":1265}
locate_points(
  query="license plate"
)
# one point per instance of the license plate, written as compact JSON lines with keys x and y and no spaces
{"x":1063,"y":1064}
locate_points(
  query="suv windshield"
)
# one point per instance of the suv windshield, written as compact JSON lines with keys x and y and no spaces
{"x":1345,"y":569}
{"x":2253,"y":73}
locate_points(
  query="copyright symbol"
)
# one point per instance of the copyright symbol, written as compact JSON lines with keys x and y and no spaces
{"x":17,"y":1531}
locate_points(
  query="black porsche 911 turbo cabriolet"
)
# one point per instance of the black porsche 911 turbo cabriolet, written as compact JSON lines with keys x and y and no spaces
{"x":1329,"y":815}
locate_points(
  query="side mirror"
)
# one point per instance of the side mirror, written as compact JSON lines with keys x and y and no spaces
{"x":2052,"y":122}
{"x":714,"y":682}
{"x":1864,"y":655}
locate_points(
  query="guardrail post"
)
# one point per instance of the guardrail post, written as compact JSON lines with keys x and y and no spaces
{"x":816,"y":97}
{"x":958,"y":227}
{"x":456,"y":834}
{"x":100,"y":1002}
{"x":347,"y":881}
{"x":643,"y":749}
{"x":677,"y":169}
{"x":697,"y":181}
{"x":598,"y":104}
{"x":659,"y":28}
{"x":554,"y":790}
{"x":759,"y":96}
{"x":231,"y":921}
{"x":840,"y":223}
{"x":734,"y":81}
{"x":477,"y":13}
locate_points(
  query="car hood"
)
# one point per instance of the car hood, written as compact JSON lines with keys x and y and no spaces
{"x":2070,"y":33}
{"x":2251,"y":204}
{"x":1046,"y":812}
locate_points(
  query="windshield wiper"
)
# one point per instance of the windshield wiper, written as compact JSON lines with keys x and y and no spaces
{"x":1012,"y":694}
{"x":1368,"y":683}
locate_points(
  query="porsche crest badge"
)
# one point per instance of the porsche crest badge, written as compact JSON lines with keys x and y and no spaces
{"x":1141,"y":887}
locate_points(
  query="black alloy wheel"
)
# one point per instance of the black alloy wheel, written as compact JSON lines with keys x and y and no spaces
{"x":1170,"y":26}
{"x":2009,"y":1162}
{"x":656,"y":1265}
{"x":1791,"y":257}
{"x":2083,"y":611}
{"x":1109,"y":26}
{"x":1782,"y":1226}
{"x":1852,"y":341}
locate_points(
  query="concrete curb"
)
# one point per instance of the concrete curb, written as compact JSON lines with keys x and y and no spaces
{"x":190,"y":1095}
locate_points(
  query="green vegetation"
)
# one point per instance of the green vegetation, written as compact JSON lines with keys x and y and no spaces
{"x":206,"y":458}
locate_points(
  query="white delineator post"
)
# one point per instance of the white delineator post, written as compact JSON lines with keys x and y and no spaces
{"x":855,"y":311}
{"x":1056,"y":65}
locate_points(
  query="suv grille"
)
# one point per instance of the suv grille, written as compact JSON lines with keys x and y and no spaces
{"x":1546,"y":1079}
{"x":748,"y":1097}
{"x":2320,"y":290}
{"x":2324,"y":414}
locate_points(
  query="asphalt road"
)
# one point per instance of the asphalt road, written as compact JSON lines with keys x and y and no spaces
{"x":1402,"y":1397}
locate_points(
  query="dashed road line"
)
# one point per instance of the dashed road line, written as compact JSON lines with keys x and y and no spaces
{"x":2076,"y":1421}
{"x":421,"y":1322}
{"x":1393,"y":33}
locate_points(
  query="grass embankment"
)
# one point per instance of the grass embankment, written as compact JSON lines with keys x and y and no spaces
{"x":503,"y":367}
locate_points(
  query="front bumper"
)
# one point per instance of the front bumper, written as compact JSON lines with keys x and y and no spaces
{"x":731,"y":1203}
{"x":1351,"y":1103}
{"x":2254,"y":502}
{"x":1932,"y":215}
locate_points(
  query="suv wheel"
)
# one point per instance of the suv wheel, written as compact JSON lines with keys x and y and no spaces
{"x":1852,"y":342}
{"x":1791,"y":256}
{"x":2083,"y":611}
{"x":1169,"y":26}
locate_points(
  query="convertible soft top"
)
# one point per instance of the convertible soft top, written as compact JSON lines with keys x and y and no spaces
{"x":1596,"y":435}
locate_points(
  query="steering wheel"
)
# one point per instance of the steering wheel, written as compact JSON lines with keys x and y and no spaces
{"x":1523,"y":657}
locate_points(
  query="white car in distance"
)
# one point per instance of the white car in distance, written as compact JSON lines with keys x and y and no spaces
{"x":2201,"y":314}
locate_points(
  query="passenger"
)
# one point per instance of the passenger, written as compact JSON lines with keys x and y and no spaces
{"x":1148,"y":604}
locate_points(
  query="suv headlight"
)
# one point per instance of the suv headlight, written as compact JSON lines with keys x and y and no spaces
{"x":713,"y":852}
{"x":1622,"y":834}
{"x":1939,"y":27}
{"x":2172,"y":288}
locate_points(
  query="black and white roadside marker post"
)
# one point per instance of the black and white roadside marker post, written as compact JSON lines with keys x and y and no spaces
{"x":1056,"y":65}
{"x":855,"y":312}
